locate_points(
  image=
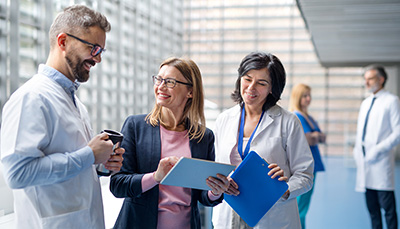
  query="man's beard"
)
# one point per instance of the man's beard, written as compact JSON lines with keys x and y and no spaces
{"x":79,"y":71}
{"x":373,"y":88}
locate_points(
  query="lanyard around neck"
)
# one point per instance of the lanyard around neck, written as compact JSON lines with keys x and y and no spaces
{"x":241,"y":133}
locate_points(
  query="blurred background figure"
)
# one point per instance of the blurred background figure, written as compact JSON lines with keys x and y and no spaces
{"x":378,"y":132}
{"x":300,"y":100}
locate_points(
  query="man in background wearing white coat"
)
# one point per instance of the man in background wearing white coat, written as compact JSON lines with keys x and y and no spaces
{"x":378,"y":132}
{"x":48,"y":149}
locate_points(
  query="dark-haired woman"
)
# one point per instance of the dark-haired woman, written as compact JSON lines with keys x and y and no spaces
{"x":257,"y":123}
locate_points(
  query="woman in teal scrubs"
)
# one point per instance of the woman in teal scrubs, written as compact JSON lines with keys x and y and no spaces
{"x":300,"y":100}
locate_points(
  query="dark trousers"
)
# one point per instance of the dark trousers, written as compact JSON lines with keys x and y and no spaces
{"x":381,"y":199}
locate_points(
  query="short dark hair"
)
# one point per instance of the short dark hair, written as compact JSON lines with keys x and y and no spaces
{"x":379,"y":69}
{"x":257,"y":61}
{"x":77,"y":19}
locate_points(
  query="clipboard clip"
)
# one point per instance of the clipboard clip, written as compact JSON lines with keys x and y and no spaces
{"x":265,"y":162}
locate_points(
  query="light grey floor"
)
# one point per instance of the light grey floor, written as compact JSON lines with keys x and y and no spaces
{"x":335,"y":204}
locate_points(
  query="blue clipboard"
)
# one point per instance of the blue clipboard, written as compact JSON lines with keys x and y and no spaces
{"x":193,"y":172}
{"x":258,"y":192}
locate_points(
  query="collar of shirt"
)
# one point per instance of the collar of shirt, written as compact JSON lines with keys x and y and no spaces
{"x":68,"y":86}
{"x":379,"y":93}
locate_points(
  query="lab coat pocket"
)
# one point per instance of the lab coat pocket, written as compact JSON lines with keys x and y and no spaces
{"x":75,"y":219}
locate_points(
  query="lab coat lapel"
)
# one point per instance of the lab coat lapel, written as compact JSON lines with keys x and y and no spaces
{"x":233,"y":131}
{"x":267,"y":120}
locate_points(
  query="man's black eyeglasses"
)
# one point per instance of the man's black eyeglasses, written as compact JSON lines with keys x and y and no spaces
{"x":96,"y":49}
{"x":169,"y":82}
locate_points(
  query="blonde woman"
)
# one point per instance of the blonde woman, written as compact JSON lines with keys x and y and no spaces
{"x":300,"y":100}
{"x":154,"y":142}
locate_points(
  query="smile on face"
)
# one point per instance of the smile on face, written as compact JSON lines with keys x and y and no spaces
{"x":78,"y":55}
{"x":255,"y":87}
{"x":172,"y":98}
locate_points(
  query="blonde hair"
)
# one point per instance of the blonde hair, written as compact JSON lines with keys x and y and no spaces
{"x":295,"y":97}
{"x":193,"y":112}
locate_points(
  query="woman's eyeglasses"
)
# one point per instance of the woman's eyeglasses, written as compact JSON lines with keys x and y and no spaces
{"x":169,"y":82}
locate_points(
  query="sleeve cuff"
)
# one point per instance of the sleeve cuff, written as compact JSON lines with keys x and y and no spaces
{"x":213,"y":197}
{"x":148,"y":182}
{"x":86,"y":155}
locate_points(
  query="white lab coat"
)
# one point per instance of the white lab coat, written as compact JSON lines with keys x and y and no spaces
{"x":279,"y":139}
{"x":376,"y":169}
{"x":58,"y":127}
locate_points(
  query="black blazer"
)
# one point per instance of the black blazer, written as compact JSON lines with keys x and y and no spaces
{"x":142,"y":146}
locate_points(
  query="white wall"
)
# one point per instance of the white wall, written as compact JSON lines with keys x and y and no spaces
{"x":393,"y":85}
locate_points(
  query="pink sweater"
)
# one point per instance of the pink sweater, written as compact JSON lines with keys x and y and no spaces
{"x":173,"y":202}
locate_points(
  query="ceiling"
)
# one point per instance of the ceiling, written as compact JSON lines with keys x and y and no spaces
{"x":353,"y":32}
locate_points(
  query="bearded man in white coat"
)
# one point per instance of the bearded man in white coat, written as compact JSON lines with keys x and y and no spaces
{"x":378,"y":132}
{"x":48,"y":149}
